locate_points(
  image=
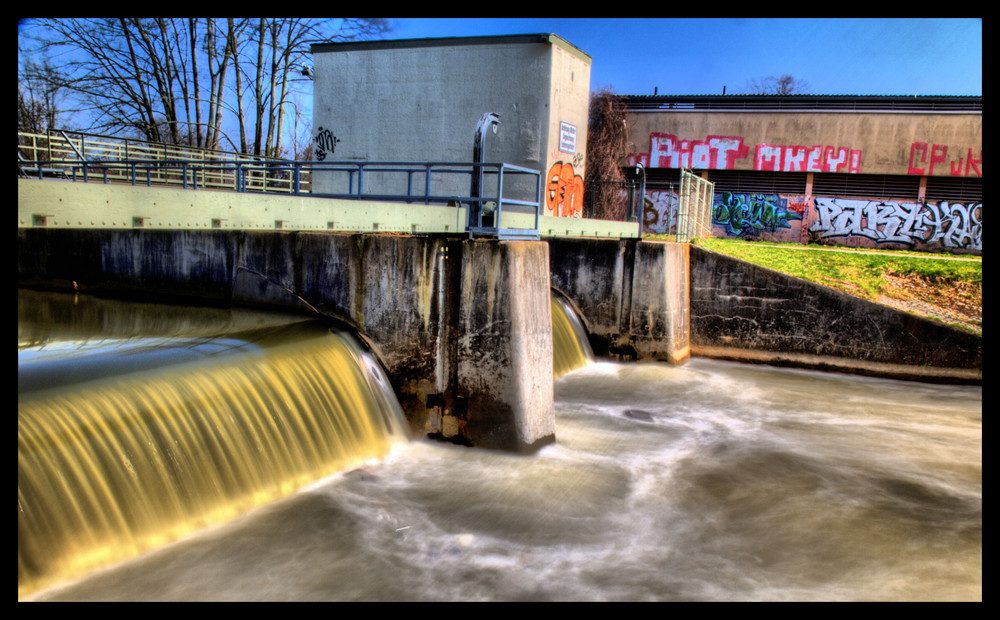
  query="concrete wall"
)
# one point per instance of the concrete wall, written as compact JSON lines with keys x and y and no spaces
{"x":749,"y":313}
{"x":920,"y":144}
{"x":463,"y":328}
{"x":421,"y":100}
{"x":631,"y":296}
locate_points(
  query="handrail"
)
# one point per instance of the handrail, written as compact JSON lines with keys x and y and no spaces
{"x":297,"y":178}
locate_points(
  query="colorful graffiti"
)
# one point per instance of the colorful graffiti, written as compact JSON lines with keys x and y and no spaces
{"x":722,"y":153}
{"x":564,"y":191}
{"x":952,"y":225}
{"x":325,"y":141}
{"x":747,"y":215}
{"x":924,"y":156}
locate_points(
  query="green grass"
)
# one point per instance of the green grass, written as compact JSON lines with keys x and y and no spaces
{"x":856,"y":270}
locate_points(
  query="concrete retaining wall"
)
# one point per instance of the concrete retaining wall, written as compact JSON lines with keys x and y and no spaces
{"x":745,"y":312}
{"x":632,"y":296}
{"x":462,"y":327}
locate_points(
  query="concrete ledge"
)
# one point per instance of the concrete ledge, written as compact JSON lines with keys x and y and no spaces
{"x":960,"y":376}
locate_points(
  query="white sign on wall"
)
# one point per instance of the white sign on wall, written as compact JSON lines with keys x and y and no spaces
{"x":567,"y":137}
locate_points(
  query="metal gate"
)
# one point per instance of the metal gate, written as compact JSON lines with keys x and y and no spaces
{"x":694,"y":207}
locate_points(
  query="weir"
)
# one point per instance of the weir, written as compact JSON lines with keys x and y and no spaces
{"x":138,"y":426}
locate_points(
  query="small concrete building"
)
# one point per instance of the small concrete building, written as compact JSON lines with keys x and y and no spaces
{"x":422,"y":100}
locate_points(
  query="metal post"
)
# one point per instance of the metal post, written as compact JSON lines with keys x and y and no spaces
{"x":489,"y":120}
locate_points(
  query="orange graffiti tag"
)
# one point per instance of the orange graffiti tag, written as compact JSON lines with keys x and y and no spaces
{"x":564,"y":197}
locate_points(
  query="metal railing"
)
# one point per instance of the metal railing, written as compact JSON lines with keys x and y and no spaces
{"x":159,"y":163}
{"x":443,"y":183}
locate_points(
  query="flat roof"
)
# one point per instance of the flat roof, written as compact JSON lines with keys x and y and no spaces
{"x":801,"y":103}
{"x":383,"y":44}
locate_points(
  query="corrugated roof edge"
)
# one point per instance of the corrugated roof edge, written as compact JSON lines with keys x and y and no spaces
{"x":954,"y":103}
{"x":451,"y":41}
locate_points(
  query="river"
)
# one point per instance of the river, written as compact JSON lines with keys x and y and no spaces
{"x":709,"y":481}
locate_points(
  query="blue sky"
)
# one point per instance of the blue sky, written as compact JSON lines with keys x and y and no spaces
{"x":911,"y":56}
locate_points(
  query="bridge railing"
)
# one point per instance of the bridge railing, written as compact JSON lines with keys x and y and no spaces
{"x":60,"y":149}
{"x":411,"y":182}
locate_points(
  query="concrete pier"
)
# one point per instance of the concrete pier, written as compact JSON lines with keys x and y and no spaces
{"x":631,"y":295}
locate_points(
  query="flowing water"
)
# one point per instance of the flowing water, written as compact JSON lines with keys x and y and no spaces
{"x":710,"y":481}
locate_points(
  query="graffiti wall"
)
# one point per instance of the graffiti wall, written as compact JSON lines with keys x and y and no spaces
{"x":942,"y":225}
{"x":929,"y":225}
{"x":754,"y":215}
{"x":724,"y":152}
{"x":772,"y":217}
{"x":659,"y":212}
{"x":945,"y":144}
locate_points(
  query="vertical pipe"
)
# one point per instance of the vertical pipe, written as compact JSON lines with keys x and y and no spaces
{"x":488,"y":120}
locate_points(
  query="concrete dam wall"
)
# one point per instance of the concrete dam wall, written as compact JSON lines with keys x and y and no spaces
{"x":749,"y":313}
{"x":463,"y":328}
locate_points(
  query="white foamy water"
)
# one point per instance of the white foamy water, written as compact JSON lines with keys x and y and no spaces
{"x":708,"y":481}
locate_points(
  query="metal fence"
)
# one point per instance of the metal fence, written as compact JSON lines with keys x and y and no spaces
{"x":63,"y":153}
{"x":694,"y":207}
{"x":84,"y":158}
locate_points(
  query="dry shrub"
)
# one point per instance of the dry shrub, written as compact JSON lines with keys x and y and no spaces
{"x":607,"y":148}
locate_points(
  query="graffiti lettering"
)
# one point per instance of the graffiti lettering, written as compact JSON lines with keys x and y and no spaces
{"x":955,"y":225}
{"x":747,"y":215}
{"x":325,"y":141}
{"x":722,"y":153}
{"x":952,"y":225}
{"x":564,"y":192}
{"x":819,"y":158}
{"x":924,"y":157}
{"x":659,"y":212}
{"x":714,"y":152}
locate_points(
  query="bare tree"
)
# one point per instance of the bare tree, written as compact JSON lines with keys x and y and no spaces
{"x":37,"y":97}
{"x":166,"y":79}
{"x":782,"y":85}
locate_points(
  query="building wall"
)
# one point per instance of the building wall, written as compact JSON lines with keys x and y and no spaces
{"x":421,"y":101}
{"x":920,"y":144}
{"x":892,"y":155}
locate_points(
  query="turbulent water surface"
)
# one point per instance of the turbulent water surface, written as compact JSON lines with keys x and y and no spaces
{"x":711,"y":481}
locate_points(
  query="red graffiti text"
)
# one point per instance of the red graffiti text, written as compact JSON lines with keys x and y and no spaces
{"x":714,"y":152}
{"x":785,"y":158}
{"x":924,"y":157}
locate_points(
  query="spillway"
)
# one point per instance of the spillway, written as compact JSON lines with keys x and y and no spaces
{"x":129,"y":443}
